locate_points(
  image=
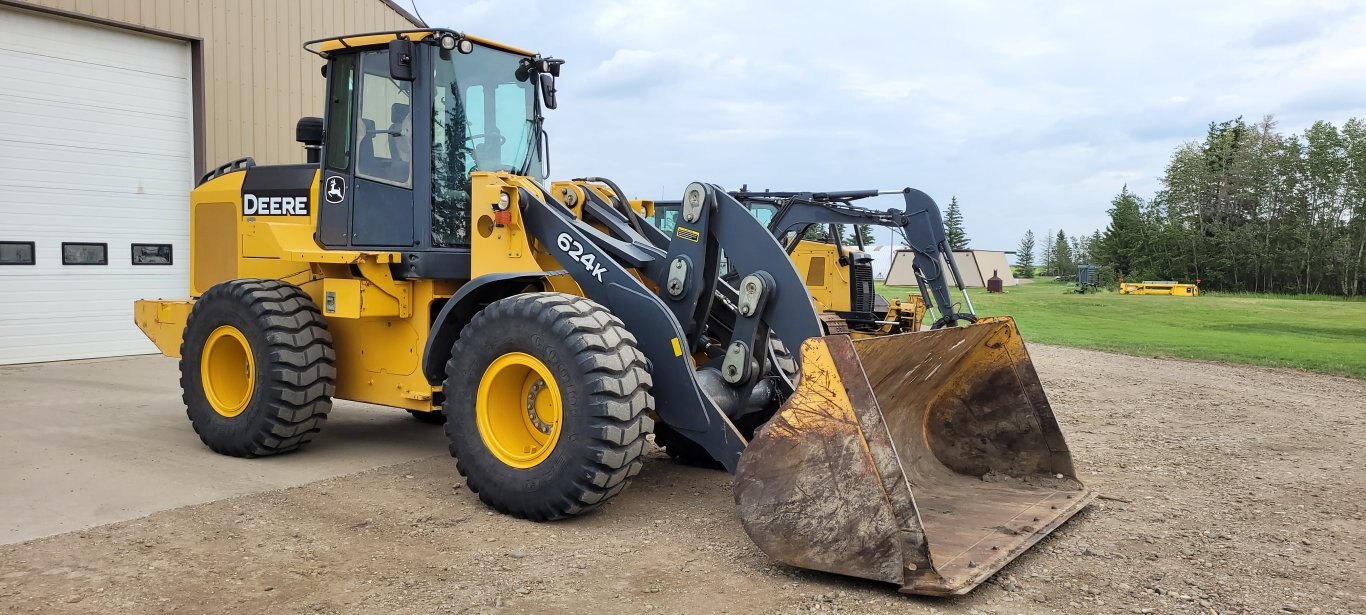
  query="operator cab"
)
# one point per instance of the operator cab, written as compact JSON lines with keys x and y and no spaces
{"x":409,"y":116}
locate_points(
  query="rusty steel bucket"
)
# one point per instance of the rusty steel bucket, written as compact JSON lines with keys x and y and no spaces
{"x":925,"y":459}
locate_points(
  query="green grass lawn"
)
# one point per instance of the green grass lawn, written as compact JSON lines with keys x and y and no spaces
{"x":1321,"y":336}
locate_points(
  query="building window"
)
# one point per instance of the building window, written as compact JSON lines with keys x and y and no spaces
{"x":151,"y":254}
{"x":16,"y":252}
{"x":79,"y":253}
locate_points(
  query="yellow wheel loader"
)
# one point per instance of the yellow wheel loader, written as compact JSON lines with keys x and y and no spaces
{"x":421,"y":260}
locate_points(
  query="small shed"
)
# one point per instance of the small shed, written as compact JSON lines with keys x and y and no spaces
{"x":976,"y":266}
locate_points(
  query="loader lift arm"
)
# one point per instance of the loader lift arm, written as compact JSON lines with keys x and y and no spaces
{"x":699,"y":403}
{"x":920,"y":224}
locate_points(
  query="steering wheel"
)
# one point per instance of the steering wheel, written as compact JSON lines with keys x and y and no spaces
{"x":501,"y":139}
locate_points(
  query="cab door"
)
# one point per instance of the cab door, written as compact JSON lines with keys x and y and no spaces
{"x":366,"y":194}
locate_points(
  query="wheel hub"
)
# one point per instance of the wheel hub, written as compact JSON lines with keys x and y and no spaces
{"x":227,"y":371}
{"x":518,"y":410}
{"x":531,"y":412}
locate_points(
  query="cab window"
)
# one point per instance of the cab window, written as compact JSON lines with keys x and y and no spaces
{"x":339,"y":109}
{"x":384,"y":144}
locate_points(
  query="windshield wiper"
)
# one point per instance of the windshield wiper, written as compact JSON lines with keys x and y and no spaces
{"x":536,"y":139}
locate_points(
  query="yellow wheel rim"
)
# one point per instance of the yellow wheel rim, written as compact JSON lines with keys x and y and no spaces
{"x":519,"y":410}
{"x":227,"y":371}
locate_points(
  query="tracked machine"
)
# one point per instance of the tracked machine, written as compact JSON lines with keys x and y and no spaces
{"x":421,"y":260}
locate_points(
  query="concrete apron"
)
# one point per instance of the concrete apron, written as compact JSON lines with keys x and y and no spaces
{"x":85,"y":443}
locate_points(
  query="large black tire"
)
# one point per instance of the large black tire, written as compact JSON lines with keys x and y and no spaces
{"x":604,"y":403}
{"x":291,"y":374}
{"x":682,"y":450}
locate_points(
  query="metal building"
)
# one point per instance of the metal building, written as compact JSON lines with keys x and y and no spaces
{"x":977,"y":266}
{"x":109,"y":112}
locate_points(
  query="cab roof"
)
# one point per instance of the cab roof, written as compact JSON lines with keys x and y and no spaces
{"x":324,"y":46}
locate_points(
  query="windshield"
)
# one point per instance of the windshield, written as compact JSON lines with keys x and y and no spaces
{"x":763,"y":212}
{"x":483,"y":119}
{"x":666,"y":216}
{"x":667,"y":212}
{"x":484,"y":114}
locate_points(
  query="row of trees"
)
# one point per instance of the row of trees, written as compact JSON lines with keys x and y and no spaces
{"x":1246,"y":209}
{"x":1252,"y":209}
{"x":855,"y":234}
{"x":1059,"y":255}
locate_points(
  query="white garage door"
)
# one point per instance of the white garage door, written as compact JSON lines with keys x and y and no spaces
{"x":96,"y":153}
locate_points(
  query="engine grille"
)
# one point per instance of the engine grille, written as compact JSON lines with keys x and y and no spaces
{"x":863,"y":293}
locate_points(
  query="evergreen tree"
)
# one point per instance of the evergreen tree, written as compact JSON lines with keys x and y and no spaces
{"x":1046,"y":255}
{"x":864,"y":232}
{"x":1024,"y":256}
{"x":819,"y":233}
{"x":1062,"y":256}
{"x":953,"y":223}
{"x":1122,"y":245}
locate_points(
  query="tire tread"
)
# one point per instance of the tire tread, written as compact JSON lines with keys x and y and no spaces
{"x":617,"y":382}
{"x":301,"y":375}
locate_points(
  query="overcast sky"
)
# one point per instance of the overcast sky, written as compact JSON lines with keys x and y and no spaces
{"x":1033,"y":114}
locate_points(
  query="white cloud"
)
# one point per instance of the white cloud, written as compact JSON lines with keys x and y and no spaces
{"x":1033,"y":113}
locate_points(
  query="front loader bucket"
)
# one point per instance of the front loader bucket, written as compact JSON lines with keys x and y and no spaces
{"x":925,"y":459}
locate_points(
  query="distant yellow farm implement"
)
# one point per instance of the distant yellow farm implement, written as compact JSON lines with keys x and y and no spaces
{"x":1159,"y":288}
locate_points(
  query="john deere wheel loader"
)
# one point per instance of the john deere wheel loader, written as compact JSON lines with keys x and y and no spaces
{"x":420,"y":260}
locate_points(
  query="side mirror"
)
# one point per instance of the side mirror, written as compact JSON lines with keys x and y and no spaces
{"x":548,"y":90}
{"x":401,"y":60}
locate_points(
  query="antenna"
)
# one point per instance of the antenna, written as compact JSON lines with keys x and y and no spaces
{"x":419,"y":14}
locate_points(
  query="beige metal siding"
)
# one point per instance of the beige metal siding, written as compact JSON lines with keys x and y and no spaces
{"x":258,"y":80}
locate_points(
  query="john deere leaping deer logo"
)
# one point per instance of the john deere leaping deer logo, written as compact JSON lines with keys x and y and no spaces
{"x":336,"y":189}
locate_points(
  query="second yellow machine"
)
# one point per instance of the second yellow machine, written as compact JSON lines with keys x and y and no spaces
{"x":421,"y":260}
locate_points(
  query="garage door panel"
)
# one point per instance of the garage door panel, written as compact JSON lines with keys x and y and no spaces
{"x":99,"y":228}
{"x":101,"y":286}
{"x":165,"y":163}
{"x":41,"y":35}
{"x":39,"y":122}
{"x":49,"y":77}
{"x":116,"y":91}
{"x":79,"y":202}
{"x":56,"y":351}
{"x":95,"y":146}
{"x":46,"y":167}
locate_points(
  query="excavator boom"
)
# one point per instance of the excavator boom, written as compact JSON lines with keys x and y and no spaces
{"x":919,"y":223}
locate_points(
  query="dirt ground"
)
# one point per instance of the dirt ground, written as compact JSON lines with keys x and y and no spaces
{"x":1226,"y":489}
